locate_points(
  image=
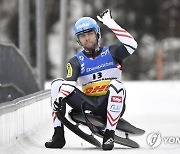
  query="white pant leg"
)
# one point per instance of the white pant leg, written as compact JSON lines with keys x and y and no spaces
{"x":115,"y":104}
{"x":55,"y":86}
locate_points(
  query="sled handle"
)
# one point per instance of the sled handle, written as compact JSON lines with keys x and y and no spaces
{"x":92,"y":128}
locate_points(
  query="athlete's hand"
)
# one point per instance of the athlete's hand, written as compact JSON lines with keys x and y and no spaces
{"x":105,"y":16}
{"x":57,"y":106}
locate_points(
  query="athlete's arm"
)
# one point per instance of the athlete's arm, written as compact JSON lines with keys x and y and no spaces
{"x":73,"y":69}
{"x":68,"y":85}
{"x":124,"y":37}
{"x":119,"y":51}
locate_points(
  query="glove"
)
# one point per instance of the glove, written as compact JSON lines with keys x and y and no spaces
{"x":105,"y":17}
{"x":58,"y":105}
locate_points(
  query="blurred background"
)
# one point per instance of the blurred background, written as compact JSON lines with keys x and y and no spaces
{"x":37,"y":39}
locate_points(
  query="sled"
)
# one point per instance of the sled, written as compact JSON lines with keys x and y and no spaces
{"x":98,"y":123}
{"x":97,"y":127}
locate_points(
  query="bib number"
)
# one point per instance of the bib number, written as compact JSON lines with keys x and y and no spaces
{"x":97,"y":75}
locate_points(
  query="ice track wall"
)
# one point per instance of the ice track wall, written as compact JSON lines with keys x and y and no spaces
{"x":23,"y":114}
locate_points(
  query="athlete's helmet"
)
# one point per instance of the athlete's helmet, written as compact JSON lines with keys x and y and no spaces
{"x":86,"y":24}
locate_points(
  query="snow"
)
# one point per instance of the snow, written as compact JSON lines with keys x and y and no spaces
{"x":152,"y":106}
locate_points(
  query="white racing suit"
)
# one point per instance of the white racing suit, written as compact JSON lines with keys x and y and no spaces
{"x":99,"y":79}
{"x":109,"y":106}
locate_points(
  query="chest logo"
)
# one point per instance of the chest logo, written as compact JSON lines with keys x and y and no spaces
{"x":69,"y":70}
{"x":104,"y":53}
{"x":81,"y":58}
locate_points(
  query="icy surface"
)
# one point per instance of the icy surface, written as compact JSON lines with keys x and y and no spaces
{"x":153,"y":106}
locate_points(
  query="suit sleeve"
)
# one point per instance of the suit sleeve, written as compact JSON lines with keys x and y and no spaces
{"x":73,"y":69}
{"x":123,"y":36}
{"x":119,"y":52}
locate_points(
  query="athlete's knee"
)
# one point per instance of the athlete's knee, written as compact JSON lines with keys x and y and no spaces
{"x":117,"y":86}
{"x":55,"y":87}
{"x":117,"y":90}
{"x":56,"y":83}
{"x":67,"y":88}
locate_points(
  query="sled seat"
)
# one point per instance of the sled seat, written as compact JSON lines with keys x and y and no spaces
{"x":98,"y":121}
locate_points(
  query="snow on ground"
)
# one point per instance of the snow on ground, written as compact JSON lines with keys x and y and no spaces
{"x":153,"y":106}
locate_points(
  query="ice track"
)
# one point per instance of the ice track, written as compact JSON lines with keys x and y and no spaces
{"x":152,"y":106}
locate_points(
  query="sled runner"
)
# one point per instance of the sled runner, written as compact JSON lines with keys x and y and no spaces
{"x":97,"y":125}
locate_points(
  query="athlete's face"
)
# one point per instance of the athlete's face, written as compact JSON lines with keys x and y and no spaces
{"x":88,"y":40}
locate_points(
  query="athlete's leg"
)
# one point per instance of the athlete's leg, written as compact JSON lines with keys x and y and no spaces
{"x":55,"y":87}
{"x":116,"y":100}
{"x":58,"y":140}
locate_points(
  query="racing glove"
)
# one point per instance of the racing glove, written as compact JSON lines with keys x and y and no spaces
{"x":58,"y":105}
{"x":105,"y":17}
